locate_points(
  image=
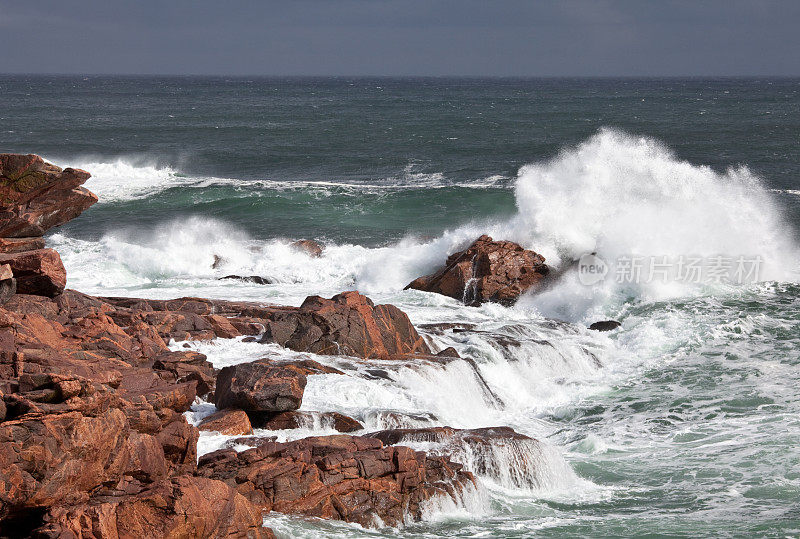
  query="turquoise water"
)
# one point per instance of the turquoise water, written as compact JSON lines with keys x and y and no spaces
{"x":682,"y":423}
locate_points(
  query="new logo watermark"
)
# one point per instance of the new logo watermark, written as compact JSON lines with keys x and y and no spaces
{"x":593,"y":269}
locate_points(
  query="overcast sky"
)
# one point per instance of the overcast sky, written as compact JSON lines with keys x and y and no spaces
{"x":381,"y":37}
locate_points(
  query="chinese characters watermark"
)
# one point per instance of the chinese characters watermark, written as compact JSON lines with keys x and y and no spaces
{"x":716,"y":269}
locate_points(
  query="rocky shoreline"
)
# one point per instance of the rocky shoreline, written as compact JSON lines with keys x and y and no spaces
{"x":93,"y":437}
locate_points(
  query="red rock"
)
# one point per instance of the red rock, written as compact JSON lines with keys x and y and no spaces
{"x":259,"y":387}
{"x":488,"y":270}
{"x":178,"y":325}
{"x":302,"y":366}
{"x":347,"y":324}
{"x":36,"y":196}
{"x":18,"y":245}
{"x":296,"y":419}
{"x":187,"y":366}
{"x":230,"y":421}
{"x":310,"y":247}
{"x":179,"y":440}
{"x":39,"y":272}
{"x":488,"y":451}
{"x":8,"y":285}
{"x":180,"y":507}
{"x":342,"y":477}
{"x":60,"y":458}
{"x":222,"y":327}
{"x":446,"y":434}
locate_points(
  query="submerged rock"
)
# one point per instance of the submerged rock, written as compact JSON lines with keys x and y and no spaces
{"x":310,"y":247}
{"x":605,"y":325}
{"x":488,"y":270}
{"x":255,"y":279}
{"x":509,"y":458}
{"x":36,"y":196}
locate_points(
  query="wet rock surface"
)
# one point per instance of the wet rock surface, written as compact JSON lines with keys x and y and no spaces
{"x":310,"y":247}
{"x":488,"y":270}
{"x":347,"y":324}
{"x":307,"y":420}
{"x":349,"y":478}
{"x":259,"y":387}
{"x":605,"y":325}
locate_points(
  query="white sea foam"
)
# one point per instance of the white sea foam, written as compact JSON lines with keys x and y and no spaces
{"x":126,"y":179}
{"x":135,"y":178}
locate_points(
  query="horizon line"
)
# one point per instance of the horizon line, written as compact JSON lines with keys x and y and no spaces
{"x":389,"y":76}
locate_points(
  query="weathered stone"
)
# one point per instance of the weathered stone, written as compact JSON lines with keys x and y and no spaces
{"x":260,"y":386}
{"x":296,"y":420}
{"x":310,"y":247}
{"x":39,"y":272}
{"x":18,"y":245}
{"x":347,"y":324}
{"x":187,"y":366}
{"x":487,"y":270}
{"x":342,"y":477}
{"x":230,"y":421}
{"x":184,"y":506}
{"x":36,"y":196}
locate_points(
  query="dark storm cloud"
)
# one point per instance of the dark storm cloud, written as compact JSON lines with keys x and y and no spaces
{"x":417,"y":37}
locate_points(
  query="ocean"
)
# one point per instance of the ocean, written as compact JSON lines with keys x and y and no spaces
{"x":683,"y":422}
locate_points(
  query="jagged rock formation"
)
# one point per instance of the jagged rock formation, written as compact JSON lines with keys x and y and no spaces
{"x":488,"y":270}
{"x":349,"y":478}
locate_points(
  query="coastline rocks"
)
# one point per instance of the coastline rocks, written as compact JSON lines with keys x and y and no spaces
{"x":307,"y":420}
{"x":255,"y":279}
{"x":8,"y":284}
{"x":187,"y":366}
{"x":481,"y":436}
{"x":36,"y":196}
{"x":509,"y":458}
{"x":347,"y":324}
{"x":310,"y":247}
{"x":38,"y":272}
{"x":260,"y":386}
{"x":350,"y":478}
{"x":230,"y":421}
{"x":605,"y":325}
{"x":184,"y":506}
{"x":18,"y":245}
{"x":488,"y":270}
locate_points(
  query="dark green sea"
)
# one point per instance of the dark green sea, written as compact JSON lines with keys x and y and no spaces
{"x":684,"y":422}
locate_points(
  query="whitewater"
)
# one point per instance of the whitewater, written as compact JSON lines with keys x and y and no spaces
{"x":684,"y":418}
